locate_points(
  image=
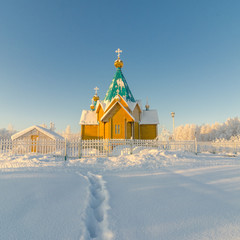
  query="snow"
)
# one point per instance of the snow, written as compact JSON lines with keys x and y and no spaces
{"x":103,"y":104}
{"x":120,"y":83}
{"x":88,"y":117}
{"x":149,"y":117}
{"x":132,"y":105}
{"x":148,"y":195}
{"x":41,"y":205}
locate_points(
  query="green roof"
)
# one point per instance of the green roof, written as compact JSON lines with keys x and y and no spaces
{"x":119,"y":83}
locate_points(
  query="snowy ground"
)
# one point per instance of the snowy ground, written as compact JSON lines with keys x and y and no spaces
{"x":146,"y":196}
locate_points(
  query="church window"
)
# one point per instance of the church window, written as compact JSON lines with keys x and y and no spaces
{"x":117,"y":129}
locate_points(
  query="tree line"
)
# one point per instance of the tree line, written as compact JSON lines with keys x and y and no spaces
{"x":229,"y":130}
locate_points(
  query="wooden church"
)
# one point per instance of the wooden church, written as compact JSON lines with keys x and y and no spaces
{"x":119,"y":115}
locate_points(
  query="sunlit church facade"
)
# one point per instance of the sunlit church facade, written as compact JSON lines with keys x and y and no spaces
{"x":118,"y":115}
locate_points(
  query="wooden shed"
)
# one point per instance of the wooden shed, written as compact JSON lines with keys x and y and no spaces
{"x":36,"y":139}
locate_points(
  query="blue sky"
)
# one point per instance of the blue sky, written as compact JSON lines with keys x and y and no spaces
{"x":183,"y":55}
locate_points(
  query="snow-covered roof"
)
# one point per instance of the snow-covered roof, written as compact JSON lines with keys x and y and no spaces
{"x":109,"y":110}
{"x":149,"y":117}
{"x":88,"y":117}
{"x":102,"y":103}
{"x":53,"y":135}
{"x":132,"y":105}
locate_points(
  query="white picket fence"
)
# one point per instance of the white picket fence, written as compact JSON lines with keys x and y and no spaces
{"x":219,"y":147}
{"x":114,"y":147}
{"x":28,"y":146}
{"x":90,"y":148}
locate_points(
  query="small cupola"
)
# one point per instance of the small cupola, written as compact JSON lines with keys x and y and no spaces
{"x":147,"y":105}
{"x":96,"y":97}
{"x":92,"y":106}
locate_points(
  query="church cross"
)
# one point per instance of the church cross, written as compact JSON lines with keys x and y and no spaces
{"x":118,"y":52}
{"x":117,"y":91}
{"x":96,"y":89}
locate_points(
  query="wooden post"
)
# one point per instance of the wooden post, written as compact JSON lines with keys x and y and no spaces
{"x":125,"y":128}
{"x":132,"y":123}
{"x":195,"y":146}
{"x":65,"y":150}
{"x":139,"y":130}
{"x":111,"y":134}
{"x":80,"y":148}
{"x":98,"y":130}
{"x":107,"y":148}
{"x":104,"y":130}
{"x":131,"y":145}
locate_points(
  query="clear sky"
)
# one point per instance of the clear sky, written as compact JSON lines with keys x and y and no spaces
{"x":184,"y":55}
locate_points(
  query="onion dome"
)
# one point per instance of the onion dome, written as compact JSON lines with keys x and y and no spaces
{"x":118,"y":63}
{"x":92,"y":106}
{"x":147,"y":105}
{"x":95,"y":98}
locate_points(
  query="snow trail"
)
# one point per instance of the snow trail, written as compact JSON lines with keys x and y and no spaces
{"x":95,"y":219}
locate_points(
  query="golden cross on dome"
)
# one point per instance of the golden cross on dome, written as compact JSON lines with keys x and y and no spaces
{"x":96,"y":89}
{"x":118,"y":52}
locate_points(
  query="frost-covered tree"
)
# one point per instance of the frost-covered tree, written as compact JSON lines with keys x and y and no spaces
{"x":178,"y":133}
{"x":10,"y":128}
{"x":7,"y":133}
{"x":69,"y":135}
{"x":207,"y":132}
{"x":187,"y":132}
{"x":164,"y":134}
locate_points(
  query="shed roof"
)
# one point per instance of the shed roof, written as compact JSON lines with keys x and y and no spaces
{"x":88,"y":117}
{"x":149,"y":117}
{"x":53,"y":135}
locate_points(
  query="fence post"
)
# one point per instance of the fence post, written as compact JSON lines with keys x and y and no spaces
{"x":195,"y":146}
{"x":80,"y":148}
{"x":65,"y":158}
{"x":131,"y":146}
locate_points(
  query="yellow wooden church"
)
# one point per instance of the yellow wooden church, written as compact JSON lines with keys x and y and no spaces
{"x":119,"y":115}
